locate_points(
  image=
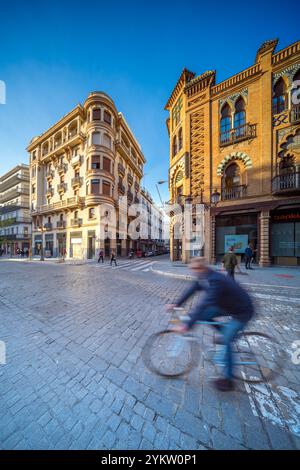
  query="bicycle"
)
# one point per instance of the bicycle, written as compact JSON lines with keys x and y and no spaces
{"x":257,"y":357}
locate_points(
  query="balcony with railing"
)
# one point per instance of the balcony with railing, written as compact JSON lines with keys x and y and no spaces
{"x":76,"y":161}
{"x":49,"y":174}
{"x":235,"y":192}
{"x":49,"y":192}
{"x":136,"y":200}
{"x":68,"y":203}
{"x":76,"y":222}
{"x":130,"y":179}
{"x":61,"y":224}
{"x":232,"y":136}
{"x":121,"y":169}
{"x":286,"y":183}
{"x":62,"y":168}
{"x":77,"y":181}
{"x":48,"y":226}
{"x":61,"y":188}
{"x":130,"y":197}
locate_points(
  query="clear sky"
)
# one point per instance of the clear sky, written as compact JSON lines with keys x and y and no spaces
{"x":53,"y":53}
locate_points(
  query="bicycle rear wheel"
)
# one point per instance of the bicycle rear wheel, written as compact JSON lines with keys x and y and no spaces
{"x":170,"y":354}
{"x":257,"y":357}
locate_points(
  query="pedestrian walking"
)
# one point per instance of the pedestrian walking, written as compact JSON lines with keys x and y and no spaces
{"x":101,"y":256}
{"x":248,"y":256}
{"x":113,"y":258}
{"x":230,"y":261}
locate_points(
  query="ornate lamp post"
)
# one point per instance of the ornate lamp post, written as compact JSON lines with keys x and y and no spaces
{"x":215,"y":197}
{"x":42,"y":230}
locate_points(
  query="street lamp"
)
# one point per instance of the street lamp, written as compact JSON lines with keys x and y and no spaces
{"x":158,"y":183}
{"x":215,"y":197}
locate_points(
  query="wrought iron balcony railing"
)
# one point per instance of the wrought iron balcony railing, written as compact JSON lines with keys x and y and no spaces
{"x":236,"y":192}
{"x":246,"y":131}
{"x":289,"y":182}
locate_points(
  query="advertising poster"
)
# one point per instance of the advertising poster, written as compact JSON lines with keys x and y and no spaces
{"x":238,"y":242}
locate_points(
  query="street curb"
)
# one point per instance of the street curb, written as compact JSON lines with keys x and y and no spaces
{"x":176,"y":276}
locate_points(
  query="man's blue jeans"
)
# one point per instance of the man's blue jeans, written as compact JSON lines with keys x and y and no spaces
{"x":229,"y":332}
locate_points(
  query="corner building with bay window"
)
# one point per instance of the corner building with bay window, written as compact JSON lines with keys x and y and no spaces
{"x":87,"y":159}
{"x":235,"y":147}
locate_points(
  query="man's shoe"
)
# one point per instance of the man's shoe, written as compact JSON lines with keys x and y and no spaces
{"x":224,"y":385}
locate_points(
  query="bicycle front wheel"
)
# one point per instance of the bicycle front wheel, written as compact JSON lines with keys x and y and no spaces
{"x":170,"y":354}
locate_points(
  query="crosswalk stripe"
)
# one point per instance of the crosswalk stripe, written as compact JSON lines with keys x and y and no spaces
{"x":140,"y":265}
{"x":145,"y":265}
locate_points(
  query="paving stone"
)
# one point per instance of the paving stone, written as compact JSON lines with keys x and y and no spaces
{"x":76,"y":380}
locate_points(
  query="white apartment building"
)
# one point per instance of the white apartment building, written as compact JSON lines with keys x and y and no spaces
{"x":15,"y":219}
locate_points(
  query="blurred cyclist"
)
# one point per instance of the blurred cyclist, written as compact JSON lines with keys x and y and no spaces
{"x":222,"y":297}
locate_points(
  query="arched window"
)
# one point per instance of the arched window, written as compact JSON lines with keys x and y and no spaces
{"x":180,"y":139}
{"x":240,"y":117}
{"x":279,"y":97}
{"x":96,"y":114}
{"x":174,"y":147}
{"x":179,"y":177}
{"x":232,"y":176}
{"x":287,"y":165}
{"x":225,"y":123}
{"x":296,"y":77}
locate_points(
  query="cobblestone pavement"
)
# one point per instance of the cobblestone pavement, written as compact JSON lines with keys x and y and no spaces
{"x":74,"y":378}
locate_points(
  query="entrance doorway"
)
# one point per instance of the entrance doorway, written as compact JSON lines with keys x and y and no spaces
{"x":91,"y":247}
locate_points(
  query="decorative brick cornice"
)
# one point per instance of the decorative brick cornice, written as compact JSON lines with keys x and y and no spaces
{"x":184,"y":78}
{"x":266,"y":46}
{"x":199,"y":83}
{"x":236,"y":80}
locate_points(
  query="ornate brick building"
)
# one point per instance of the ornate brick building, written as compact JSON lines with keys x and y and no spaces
{"x":235,"y":147}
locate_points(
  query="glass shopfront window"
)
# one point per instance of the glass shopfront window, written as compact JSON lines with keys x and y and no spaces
{"x":241,"y":228}
{"x":285,"y":236}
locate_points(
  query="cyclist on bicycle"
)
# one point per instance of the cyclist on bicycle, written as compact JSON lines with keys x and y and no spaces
{"x":222,"y":297}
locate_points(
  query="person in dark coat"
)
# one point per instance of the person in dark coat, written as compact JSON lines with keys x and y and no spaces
{"x":222,"y":297}
{"x":101,"y":256}
{"x":113,"y":258}
{"x":248,"y":256}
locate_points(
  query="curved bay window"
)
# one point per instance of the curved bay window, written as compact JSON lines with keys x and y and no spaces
{"x":225,"y":123}
{"x":240,"y":117}
{"x":96,"y":114}
{"x":232,"y":187}
{"x":279,"y":102}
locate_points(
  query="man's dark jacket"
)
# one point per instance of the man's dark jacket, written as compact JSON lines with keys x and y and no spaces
{"x":220,"y":293}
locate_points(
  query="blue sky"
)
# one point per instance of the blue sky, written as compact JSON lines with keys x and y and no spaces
{"x":52,"y":54}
